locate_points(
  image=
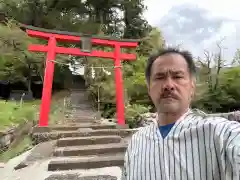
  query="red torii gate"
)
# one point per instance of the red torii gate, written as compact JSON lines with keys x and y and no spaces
{"x":52,"y":49}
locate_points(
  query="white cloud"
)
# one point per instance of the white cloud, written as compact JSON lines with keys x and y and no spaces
{"x":226,"y":10}
{"x":222,"y":8}
{"x":157,"y":9}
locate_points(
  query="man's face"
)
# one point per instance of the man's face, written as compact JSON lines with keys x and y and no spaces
{"x":171,"y":85}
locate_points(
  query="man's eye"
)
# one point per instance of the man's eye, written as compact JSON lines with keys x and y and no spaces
{"x":178,"y":77}
{"x":159,"y":77}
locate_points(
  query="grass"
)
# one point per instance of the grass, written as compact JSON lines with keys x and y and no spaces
{"x":14,"y":113}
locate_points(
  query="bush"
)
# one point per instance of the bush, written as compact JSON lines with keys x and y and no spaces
{"x":133,"y":113}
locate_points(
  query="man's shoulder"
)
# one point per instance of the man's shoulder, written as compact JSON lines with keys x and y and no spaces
{"x":143,"y":131}
{"x":208,"y":117}
{"x":217,"y":120}
{"x":200,"y":118}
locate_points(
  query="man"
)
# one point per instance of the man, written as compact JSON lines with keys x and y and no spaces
{"x":182,"y":144}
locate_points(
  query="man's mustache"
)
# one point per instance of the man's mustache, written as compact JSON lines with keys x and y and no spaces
{"x":169,"y":94}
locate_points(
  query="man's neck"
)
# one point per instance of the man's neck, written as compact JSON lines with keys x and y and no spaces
{"x":169,"y":118}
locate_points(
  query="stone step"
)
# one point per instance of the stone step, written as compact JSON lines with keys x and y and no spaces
{"x":83,"y":113}
{"x":81,"y":110}
{"x":98,"y":149}
{"x":72,"y":127}
{"x":94,"y":125}
{"x":83,"y":104}
{"x":81,"y":117}
{"x":76,"y":176}
{"x":77,"y":141}
{"x":87,"y":162}
{"x":42,"y":137}
{"x":80,"y":120}
{"x":76,"y":109}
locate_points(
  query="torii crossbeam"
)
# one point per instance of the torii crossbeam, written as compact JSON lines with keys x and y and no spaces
{"x":52,"y":49}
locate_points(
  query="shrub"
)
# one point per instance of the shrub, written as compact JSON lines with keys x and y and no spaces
{"x":133,"y":113}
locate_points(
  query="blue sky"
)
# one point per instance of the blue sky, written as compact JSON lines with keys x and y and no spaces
{"x":197,"y":24}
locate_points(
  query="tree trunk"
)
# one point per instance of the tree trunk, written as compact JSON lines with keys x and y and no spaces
{"x":29,"y":86}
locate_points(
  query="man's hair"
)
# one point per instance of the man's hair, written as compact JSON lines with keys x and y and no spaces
{"x":185,"y":54}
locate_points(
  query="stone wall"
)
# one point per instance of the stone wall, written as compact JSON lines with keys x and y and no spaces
{"x":232,"y":116}
{"x":14,"y":135}
{"x":5,"y":139}
{"x":149,"y":118}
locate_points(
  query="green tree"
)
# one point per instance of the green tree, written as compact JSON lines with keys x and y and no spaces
{"x":151,"y":43}
{"x":95,"y":17}
{"x":230,"y":82}
{"x":236,"y":59}
{"x":17,"y":64}
{"x":135,"y":25}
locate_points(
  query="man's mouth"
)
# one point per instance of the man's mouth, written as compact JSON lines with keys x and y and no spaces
{"x":168,"y":97}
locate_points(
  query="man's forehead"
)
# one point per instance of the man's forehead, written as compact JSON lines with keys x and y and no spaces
{"x":171,"y":58}
{"x":169,"y":70}
{"x":170,"y":62}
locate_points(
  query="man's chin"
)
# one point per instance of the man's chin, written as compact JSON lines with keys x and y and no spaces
{"x":169,"y":107}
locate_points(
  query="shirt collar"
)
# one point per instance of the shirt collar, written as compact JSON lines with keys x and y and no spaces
{"x":155,"y":121}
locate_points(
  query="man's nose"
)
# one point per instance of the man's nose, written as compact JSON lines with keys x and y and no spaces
{"x":168,"y":84}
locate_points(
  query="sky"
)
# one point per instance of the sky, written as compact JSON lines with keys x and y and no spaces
{"x":197,"y":24}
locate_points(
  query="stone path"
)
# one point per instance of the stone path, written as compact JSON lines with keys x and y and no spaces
{"x":82,"y":148}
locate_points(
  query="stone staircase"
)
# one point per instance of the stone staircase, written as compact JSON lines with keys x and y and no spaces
{"x":84,"y":142}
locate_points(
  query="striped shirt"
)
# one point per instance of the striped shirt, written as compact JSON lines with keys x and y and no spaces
{"x":198,"y":147}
